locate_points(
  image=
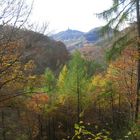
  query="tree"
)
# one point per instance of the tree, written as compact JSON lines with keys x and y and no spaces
{"x":124,"y":78}
{"x":49,"y":80}
{"x":14,"y":12}
{"x":13,"y":15}
{"x":138,"y":49}
{"x":37,"y":104}
{"x":14,"y":74}
{"x":121,"y":12}
{"x":62,"y":79}
{"x":76,"y":80}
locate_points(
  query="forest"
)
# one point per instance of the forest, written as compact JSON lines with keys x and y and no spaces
{"x":49,"y":93}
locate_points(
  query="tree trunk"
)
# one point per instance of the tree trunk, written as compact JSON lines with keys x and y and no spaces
{"x":138,"y":67}
{"x":40,"y":127}
{"x":3,"y":125}
{"x":112,"y":109}
{"x":78,"y":98}
{"x":29,"y":126}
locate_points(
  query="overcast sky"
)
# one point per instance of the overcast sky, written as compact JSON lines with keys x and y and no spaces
{"x":73,"y":14}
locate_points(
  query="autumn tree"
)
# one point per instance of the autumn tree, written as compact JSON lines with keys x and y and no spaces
{"x":62,"y":78}
{"x":125,"y":77}
{"x":121,"y":13}
{"x":115,"y":91}
{"x":14,"y":14}
{"x":37,"y":105}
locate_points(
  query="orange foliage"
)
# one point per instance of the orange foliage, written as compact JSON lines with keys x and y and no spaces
{"x":120,"y":79}
{"x":123,"y":74}
{"x":12,"y":68}
{"x":38,"y":102}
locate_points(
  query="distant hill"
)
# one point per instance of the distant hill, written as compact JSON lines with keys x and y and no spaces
{"x":93,"y":35}
{"x":68,"y":35}
{"x":74,"y":39}
{"x":71,"y":38}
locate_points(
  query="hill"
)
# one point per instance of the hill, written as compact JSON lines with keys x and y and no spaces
{"x":44,"y":51}
{"x":93,"y":35}
{"x":74,"y":39}
{"x":68,"y":35}
{"x":71,"y":38}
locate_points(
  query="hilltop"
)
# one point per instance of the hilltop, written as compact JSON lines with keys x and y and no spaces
{"x":74,"y":39}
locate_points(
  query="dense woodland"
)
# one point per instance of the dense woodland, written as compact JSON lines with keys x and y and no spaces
{"x":47,"y":93}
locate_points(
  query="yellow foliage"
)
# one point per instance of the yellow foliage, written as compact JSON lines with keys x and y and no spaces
{"x":62,"y":77}
{"x":99,"y":81}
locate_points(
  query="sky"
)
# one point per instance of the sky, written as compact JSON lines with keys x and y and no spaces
{"x":73,"y":14}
